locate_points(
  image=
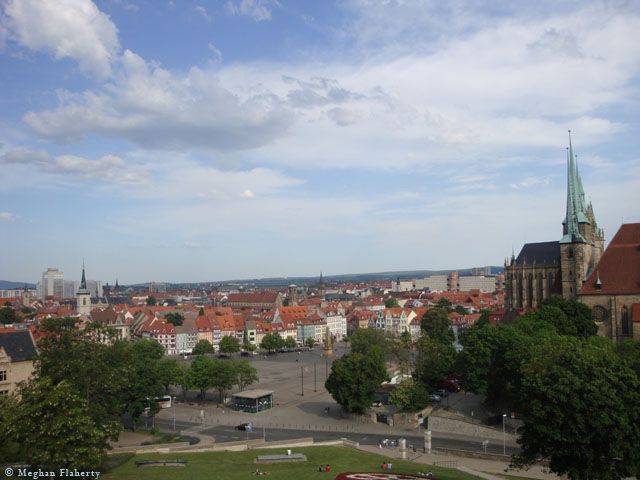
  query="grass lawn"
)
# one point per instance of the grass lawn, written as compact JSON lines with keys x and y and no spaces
{"x":237,"y":465}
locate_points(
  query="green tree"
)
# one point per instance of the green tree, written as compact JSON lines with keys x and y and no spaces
{"x":391,"y":303}
{"x":200,"y":374}
{"x":578,"y":313}
{"x":151,"y":301}
{"x":201,"y":312}
{"x":435,"y":360}
{"x":8,"y":315}
{"x":245,"y":374}
{"x":223,"y":377}
{"x":460,"y":310}
{"x":582,"y":410}
{"x":202,"y":347}
{"x":10,"y":450}
{"x":630,"y":354}
{"x":54,"y":427}
{"x":409,"y":396}
{"x":272,"y":342}
{"x":229,"y":345}
{"x":444,"y":304}
{"x":183,"y":380}
{"x":310,"y":342}
{"x":176,"y":319}
{"x":144,"y":380}
{"x":290,"y":342}
{"x":96,"y":369}
{"x":248,"y":346}
{"x":436,"y":324}
{"x":169,"y":372}
{"x":354,"y":379}
{"x":364,"y":339}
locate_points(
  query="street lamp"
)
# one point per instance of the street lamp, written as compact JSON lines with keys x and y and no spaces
{"x":174,"y":413}
{"x":504,"y":435}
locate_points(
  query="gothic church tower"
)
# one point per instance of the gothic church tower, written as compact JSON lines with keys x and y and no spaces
{"x":83,"y":296}
{"x":582,"y":242}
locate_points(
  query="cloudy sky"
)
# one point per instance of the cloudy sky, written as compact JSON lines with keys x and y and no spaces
{"x":189,"y":140}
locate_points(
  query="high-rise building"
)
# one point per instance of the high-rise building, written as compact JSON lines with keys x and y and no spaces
{"x":52,"y":283}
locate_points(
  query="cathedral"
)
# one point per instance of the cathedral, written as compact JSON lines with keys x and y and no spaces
{"x":559,"y":267}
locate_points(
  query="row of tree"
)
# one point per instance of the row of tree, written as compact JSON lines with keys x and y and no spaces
{"x":85,"y":381}
{"x":578,"y":394}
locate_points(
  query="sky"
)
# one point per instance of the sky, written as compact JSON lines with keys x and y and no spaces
{"x":189,"y":140}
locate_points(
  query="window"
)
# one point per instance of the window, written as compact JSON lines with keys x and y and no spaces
{"x":3,"y":375}
{"x":4,"y":392}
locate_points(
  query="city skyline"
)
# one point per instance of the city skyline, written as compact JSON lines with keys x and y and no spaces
{"x":206,"y":141}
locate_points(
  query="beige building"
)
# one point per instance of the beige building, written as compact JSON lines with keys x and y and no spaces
{"x":17,"y":352}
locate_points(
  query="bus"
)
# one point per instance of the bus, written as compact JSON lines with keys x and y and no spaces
{"x":164,"y":401}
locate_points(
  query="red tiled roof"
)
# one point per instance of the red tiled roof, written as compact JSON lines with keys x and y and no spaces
{"x":258,"y":297}
{"x":288,"y":314}
{"x":619,"y":267}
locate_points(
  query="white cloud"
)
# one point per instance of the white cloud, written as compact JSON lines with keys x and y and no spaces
{"x":192,"y":244}
{"x":217,"y":54}
{"x":66,"y":29}
{"x":7,"y":216}
{"x":110,"y":168}
{"x":200,"y":10}
{"x":531,"y":182}
{"x":259,"y":10}
{"x":155,"y":109}
{"x":248,"y":194}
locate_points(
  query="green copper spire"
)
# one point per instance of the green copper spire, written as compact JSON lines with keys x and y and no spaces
{"x":83,"y":282}
{"x":576,"y":208}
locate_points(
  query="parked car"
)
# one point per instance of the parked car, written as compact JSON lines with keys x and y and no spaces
{"x":245,"y":354}
{"x":244,"y":427}
{"x":435,"y":398}
{"x":441,"y":392}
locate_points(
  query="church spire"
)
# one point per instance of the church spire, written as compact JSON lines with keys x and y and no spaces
{"x":83,"y":282}
{"x":575,"y":199}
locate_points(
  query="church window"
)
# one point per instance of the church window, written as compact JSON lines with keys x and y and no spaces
{"x":627,"y":328}
{"x":570,"y":252}
{"x":600,"y":314}
{"x":3,"y":375}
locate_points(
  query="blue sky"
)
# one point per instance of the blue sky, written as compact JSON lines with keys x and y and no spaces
{"x":189,"y":140}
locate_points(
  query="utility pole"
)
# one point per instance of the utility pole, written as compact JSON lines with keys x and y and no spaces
{"x":315,"y":389}
{"x":301,"y":380}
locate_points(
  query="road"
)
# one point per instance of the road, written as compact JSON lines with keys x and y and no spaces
{"x":230,"y":434}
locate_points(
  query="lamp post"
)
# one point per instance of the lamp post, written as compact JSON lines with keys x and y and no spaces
{"x":315,"y":386}
{"x":301,"y":380}
{"x":173,"y":399}
{"x":504,"y":435}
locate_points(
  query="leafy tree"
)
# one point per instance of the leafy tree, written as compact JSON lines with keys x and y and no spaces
{"x":354,"y":379}
{"x":248,"y":346}
{"x":435,"y":360}
{"x":144,"y":377}
{"x":245,"y":374}
{"x":436,"y":324}
{"x":630,"y":354}
{"x":202,"y":347}
{"x":444,"y":304}
{"x":310,"y":342}
{"x":290,"y":342}
{"x":54,"y":427}
{"x":485,"y":318}
{"x":582,"y":410}
{"x":201,"y":312}
{"x":10,"y":450}
{"x":8,"y":315}
{"x":151,"y":301}
{"x":96,"y":369}
{"x":170,"y":372}
{"x":578,"y":313}
{"x":200,"y":374}
{"x":183,"y":380}
{"x":174,"y":318}
{"x":272,"y":342}
{"x":364,"y":339}
{"x":409,"y":396}
{"x":405,"y":338}
{"x":391,"y":303}
{"x":229,"y":345}
{"x":223,"y":377}
{"x":460,"y":310}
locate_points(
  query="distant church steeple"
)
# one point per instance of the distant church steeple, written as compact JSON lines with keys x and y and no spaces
{"x":83,"y":296}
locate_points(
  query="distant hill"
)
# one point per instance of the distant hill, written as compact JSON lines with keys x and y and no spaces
{"x":8,"y":285}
